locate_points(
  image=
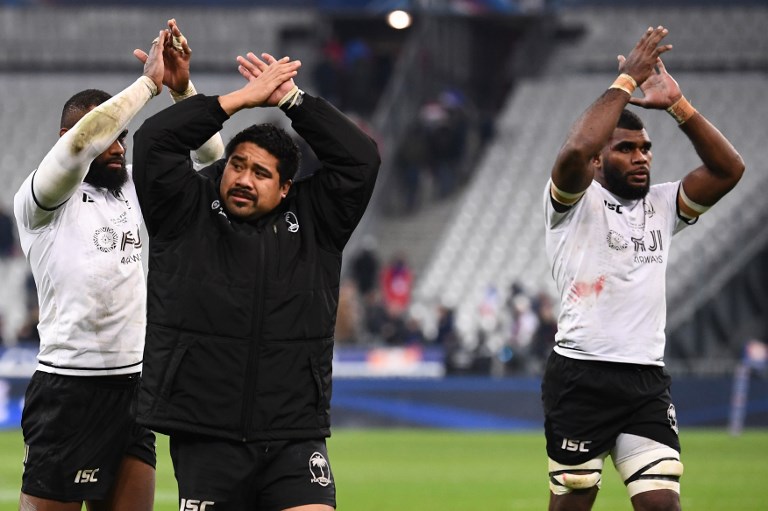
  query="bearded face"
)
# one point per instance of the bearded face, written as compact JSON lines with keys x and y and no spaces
{"x":108,"y":170}
{"x":110,"y":174}
{"x":624,"y":165}
{"x":631,"y":186}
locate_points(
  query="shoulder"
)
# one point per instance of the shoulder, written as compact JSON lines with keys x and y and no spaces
{"x":665,"y":193}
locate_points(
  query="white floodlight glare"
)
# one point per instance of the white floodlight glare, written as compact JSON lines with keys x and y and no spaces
{"x":399,"y":19}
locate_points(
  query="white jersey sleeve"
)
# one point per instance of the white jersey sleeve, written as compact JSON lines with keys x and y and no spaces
{"x":62,"y":170}
{"x":213,"y":148}
{"x":609,"y":257}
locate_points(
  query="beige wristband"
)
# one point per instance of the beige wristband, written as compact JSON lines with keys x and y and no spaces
{"x":289,"y":99}
{"x":625,"y":83}
{"x":179,"y":96}
{"x":682,"y":110}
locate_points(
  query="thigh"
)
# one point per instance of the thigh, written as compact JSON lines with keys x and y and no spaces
{"x":650,"y":470}
{"x":133,"y":490}
{"x":656,"y":418}
{"x":298,"y":474}
{"x":581,"y":419}
{"x":76,"y":430}
{"x":212,"y":474}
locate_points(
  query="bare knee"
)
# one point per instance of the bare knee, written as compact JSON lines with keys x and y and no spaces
{"x":656,"y":500}
{"x":576,"y":500}
{"x":30,"y":503}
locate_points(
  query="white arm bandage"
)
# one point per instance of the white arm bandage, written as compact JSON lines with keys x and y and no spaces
{"x":66,"y":164}
{"x":564,"y":198}
{"x":213,"y":148}
{"x":693,"y":206}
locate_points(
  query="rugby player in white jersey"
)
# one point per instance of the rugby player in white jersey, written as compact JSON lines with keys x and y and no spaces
{"x":608,"y":232}
{"x":79,"y":225}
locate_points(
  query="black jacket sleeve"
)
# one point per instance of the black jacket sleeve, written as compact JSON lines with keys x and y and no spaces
{"x":166,"y":182}
{"x":341,"y":189}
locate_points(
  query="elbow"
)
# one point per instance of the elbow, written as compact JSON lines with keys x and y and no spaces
{"x":734,"y":170}
{"x":739,"y":167}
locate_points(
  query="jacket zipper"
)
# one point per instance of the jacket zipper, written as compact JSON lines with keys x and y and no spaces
{"x":252,"y":375}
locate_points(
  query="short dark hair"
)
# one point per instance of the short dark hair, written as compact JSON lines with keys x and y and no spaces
{"x":79,"y":104}
{"x":274,"y":140}
{"x":629,"y":120}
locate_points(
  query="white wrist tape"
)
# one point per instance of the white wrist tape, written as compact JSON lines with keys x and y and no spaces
{"x":290,"y":99}
{"x":150,"y":85}
{"x":181,"y":96}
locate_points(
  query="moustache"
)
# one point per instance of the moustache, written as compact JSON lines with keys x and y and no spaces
{"x":243,"y":193}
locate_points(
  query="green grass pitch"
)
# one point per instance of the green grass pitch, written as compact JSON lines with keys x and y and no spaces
{"x":429,"y":470}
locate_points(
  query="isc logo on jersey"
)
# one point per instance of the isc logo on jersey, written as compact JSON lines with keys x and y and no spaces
{"x":195,"y":505}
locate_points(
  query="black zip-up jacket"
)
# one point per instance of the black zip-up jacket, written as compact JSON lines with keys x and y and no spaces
{"x":241,"y":316}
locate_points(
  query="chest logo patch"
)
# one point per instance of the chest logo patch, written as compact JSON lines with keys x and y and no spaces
{"x":105,"y":239}
{"x":292,"y":221}
{"x":616,"y":241}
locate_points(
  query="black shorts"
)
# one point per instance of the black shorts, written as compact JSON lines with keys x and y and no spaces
{"x":77,"y":430}
{"x":588,"y":404}
{"x":269,"y":476}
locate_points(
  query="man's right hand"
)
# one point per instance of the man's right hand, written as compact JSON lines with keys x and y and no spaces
{"x":154,"y":68}
{"x":176,"y":57}
{"x":251,"y":67}
{"x":642,"y":60}
{"x":261,"y":88}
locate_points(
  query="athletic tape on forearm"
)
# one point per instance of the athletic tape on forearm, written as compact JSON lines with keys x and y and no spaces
{"x":624,"y":82}
{"x":181,"y":96}
{"x":681,"y":110}
{"x":66,"y":164}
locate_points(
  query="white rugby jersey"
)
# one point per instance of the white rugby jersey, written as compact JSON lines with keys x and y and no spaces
{"x":609,"y":259}
{"x":86,"y":260}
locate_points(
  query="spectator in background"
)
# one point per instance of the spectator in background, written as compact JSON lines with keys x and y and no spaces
{"x":544,"y":338}
{"x":524,"y":323}
{"x":360,"y":86}
{"x":350,"y":316}
{"x":397,"y":285}
{"x":365,"y":266}
{"x":8,"y":240}
{"x":28,"y":334}
{"x":328,"y":74}
{"x":411,"y":165}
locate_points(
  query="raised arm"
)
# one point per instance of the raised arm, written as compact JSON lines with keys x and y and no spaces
{"x":573,"y":172}
{"x":722,"y":165}
{"x":66,"y":164}
{"x":350,"y":159}
{"x":177,"y":56}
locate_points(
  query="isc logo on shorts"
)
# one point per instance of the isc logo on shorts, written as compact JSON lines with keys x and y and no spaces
{"x":575,"y":445}
{"x":87,"y":476}
{"x":195,"y":505}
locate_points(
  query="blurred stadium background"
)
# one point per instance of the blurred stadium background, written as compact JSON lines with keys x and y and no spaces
{"x":447,"y":307}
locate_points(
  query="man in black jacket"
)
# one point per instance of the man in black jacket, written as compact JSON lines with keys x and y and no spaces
{"x":243,"y":291}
